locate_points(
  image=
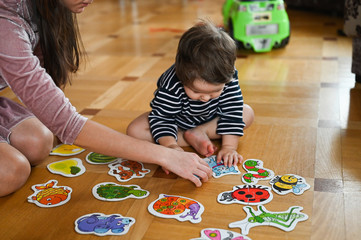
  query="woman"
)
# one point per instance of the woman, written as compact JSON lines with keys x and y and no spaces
{"x":39,"y":49}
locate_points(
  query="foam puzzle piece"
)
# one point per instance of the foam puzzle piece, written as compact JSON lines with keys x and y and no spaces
{"x":177,"y":207}
{"x":49,"y":194}
{"x":247,"y":195}
{"x":220,"y":234}
{"x":72,"y":167}
{"x":285,"y":221}
{"x":97,"y":158}
{"x":125,"y":170}
{"x":255,"y":171}
{"x":109,"y":191}
{"x":219,"y":169}
{"x":102,"y":225}
{"x":284,"y":184}
{"x":66,"y":150}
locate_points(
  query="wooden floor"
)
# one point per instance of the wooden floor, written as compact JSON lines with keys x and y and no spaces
{"x":308,"y":122}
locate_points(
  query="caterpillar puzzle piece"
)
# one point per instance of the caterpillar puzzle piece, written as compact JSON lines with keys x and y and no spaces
{"x":109,"y":191}
{"x":102,"y":225}
{"x":49,"y":194}
{"x":220,"y":234}
{"x":284,"y":184}
{"x":286,"y":220}
{"x":125,"y":170}
{"x":72,"y":167}
{"x":177,"y":207}
{"x":255,"y":171}
{"x":66,"y":150}
{"x":97,"y":158}
{"x":219,"y":169}
{"x":247,"y":195}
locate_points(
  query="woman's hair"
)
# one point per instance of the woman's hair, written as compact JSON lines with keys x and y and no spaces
{"x":59,"y":40}
{"x":206,"y":52}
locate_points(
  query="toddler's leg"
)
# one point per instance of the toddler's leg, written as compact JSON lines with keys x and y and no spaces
{"x":248,"y":115}
{"x":139,"y":128}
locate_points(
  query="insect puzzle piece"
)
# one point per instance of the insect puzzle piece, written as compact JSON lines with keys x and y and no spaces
{"x":177,"y":207}
{"x":247,"y":195}
{"x":72,"y":167}
{"x":101,"y":224}
{"x":49,"y":195}
{"x":108,"y":191}
{"x":255,"y":171}
{"x":220,"y":234}
{"x":97,"y":158}
{"x":66,"y":150}
{"x":262,"y":217}
{"x":125,"y":170}
{"x":219,"y":169}
{"x":284,"y":184}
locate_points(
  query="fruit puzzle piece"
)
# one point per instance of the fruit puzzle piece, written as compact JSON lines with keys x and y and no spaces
{"x":177,"y":207}
{"x":97,"y":158}
{"x":220,"y":234}
{"x":247,"y":195}
{"x":255,"y":171}
{"x":109,"y":191}
{"x":284,"y":184}
{"x":219,"y":169}
{"x":102,"y":225}
{"x":285,"y":221}
{"x":125,"y":170}
{"x":72,"y":167}
{"x":49,"y":194}
{"x":66,"y":150}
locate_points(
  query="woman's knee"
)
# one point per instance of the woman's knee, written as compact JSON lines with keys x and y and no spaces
{"x":248,"y":115}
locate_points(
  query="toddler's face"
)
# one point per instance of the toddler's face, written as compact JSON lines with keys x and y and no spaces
{"x":203,"y":91}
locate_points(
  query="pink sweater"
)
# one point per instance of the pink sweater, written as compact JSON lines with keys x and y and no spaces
{"x":21,"y":70}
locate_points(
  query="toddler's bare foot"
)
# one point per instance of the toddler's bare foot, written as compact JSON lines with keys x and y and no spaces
{"x":200,"y":142}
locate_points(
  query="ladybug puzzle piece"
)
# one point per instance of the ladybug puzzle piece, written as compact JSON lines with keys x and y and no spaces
{"x":255,"y":171}
{"x":220,"y":234}
{"x":247,"y":195}
{"x":125,"y":170}
{"x":177,"y":207}
{"x":289,"y":183}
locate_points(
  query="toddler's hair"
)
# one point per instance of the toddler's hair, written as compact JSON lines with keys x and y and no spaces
{"x":206,"y":52}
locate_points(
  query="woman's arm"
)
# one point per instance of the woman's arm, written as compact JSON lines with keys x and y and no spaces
{"x":101,"y":139}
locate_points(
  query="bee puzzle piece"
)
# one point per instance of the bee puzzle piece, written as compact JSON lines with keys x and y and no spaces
{"x":177,"y":207}
{"x":255,"y":171}
{"x":284,"y":184}
{"x":102,"y":225}
{"x":220,"y":234}
{"x":125,"y":170}
{"x":72,"y":167}
{"x":66,"y":150}
{"x":219,"y":169}
{"x":49,"y":195}
{"x":247,"y":195}
{"x":97,"y":158}
{"x":108,"y":191}
{"x":286,"y":221}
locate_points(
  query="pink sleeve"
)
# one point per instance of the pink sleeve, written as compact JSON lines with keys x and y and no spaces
{"x":21,"y":70}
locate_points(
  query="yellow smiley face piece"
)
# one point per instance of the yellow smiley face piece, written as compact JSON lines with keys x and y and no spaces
{"x":289,"y":179}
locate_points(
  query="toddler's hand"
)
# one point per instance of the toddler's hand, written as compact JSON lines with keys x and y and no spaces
{"x":229,"y":156}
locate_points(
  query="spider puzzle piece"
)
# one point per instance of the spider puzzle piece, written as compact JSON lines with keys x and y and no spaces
{"x":72,"y":167}
{"x":285,"y":221}
{"x":220,"y":234}
{"x":247,"y":195}
{"x":66,"y":150}
{"x":49,"y":194}
{"x":97,"y":158}
{"x":284,"y":184}
{"x":177,"y":207}
{"x":102,"y":225}
{"x":255,"y":171}
{"x":125,"y":170}
{"x":219,"y":169}
{"x":109,"y":191}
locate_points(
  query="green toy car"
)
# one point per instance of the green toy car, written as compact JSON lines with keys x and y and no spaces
{"x":257,"y":24}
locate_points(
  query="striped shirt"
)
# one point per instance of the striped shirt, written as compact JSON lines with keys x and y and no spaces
{"x":172,"y":108}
